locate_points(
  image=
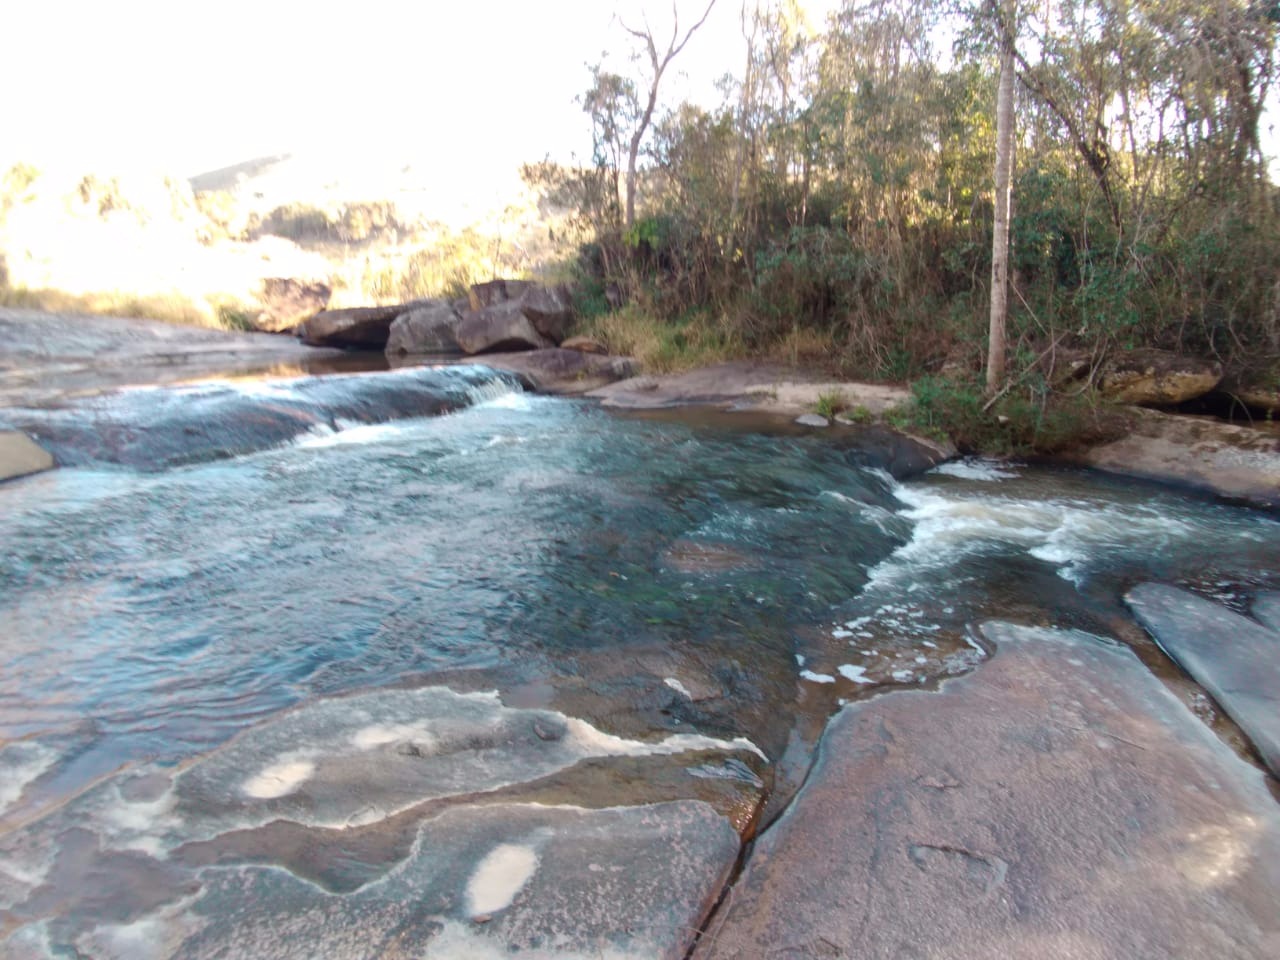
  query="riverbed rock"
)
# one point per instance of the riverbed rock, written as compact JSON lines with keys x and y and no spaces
{"x":500,"y":327}
{"x":1266,"y":609}
{"x":286,"y":303}
{"x":585,"y":345}
{"x":1226,"y":459}
{"x":812,"y":420}
{"x":558,"y":371}
{"x":1057,"y":802}
{"x":491,"y":881}
{"x":1151,"y":377}
{"x":1234,"y":658}
{"x":430,"y":328}
{"x":363,"y":328}
{"x":21,"y":456}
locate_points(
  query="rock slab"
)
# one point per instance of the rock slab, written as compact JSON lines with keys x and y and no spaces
{"x":482,"y":882}
{"x":20,"y":456}
{"x":556,"y":370}
{"x":1057,"y":803}
{"x":1234,"y":658}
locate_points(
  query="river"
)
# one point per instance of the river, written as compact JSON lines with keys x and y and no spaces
{"x":186,"y":645}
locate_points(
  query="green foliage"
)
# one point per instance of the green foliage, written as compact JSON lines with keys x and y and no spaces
{"x":1026,"y":419}
{"x":831,"y":403}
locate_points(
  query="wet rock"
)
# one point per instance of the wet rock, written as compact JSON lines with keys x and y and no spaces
{"x":559,"y":371}
{"x":1057,"y":802}
{"x":1152,"y":377}
{"x":482,"y":882}
{"x":1267,"y":609}
{"x":1234,"y":658}
{"x":812,"y":420}
{"x":1222,"y":458}
{"x":287,"y":302}
{"x":430,"y":328}
{"x":154,"y":429}
{"x":20,"y":456}
{"x":584,"y":344}
{"x":502,"y":326}
{"x":364,"y":328}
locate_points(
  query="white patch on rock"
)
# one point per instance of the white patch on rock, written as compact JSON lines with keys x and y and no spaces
{"x":678,"y":687}
{"x":279,"y":779}
{"x":379,"y":735}
{"x":817,"y":677}
{"x":499,"y":877}
{"x":851,"y":671}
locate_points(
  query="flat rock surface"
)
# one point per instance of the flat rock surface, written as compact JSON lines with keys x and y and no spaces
{"x":1222,"y":458}
{"x":46,"y":355}
{"x":1267,"y":609}
{"x":488,"y":882}
{"x":1057,"y":803}
{"x":1236,"y":659}
{"x":747,"y":385}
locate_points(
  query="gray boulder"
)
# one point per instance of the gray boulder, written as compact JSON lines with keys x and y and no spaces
{"x":1158,"y":378}
{"x":428,"y":329}
{"x":548,"y":309}
{"x":502,"y":326}
{"x":20,"y":455}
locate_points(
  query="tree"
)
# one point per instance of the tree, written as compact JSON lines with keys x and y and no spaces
{"x":1004,"y":190}
{"x":658,"y":64}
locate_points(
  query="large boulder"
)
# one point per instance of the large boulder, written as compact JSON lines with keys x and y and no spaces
{"x":562,"y":371}
{"x":502,"y":326}
{"x":287,"y":303}
{"x":431,"y":328}
{"x":584,"y":345}
{"x":1152,"y":377}
{"x":364,"y":328}
{"x":548,"y":309}
{"x":492,"y":292}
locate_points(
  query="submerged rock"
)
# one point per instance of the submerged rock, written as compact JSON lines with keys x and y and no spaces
{"x":1058,"y":802}
{"x":489,"y":881}
{"x":1267,"y":609}
{"x":1234,"y":658}
{"x":812,"y":420}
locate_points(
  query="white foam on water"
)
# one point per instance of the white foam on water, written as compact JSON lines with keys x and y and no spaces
{"x":817,"y":677}
{"x":21,"y":764}
{"x":349,"y":433}
{"x":851,"y":671}
{"x":501,"y":394}
{"x":977,"y":468}
{"x":1067,"y":533}
{"x":499,"y":877}
{"x":280,"y":778}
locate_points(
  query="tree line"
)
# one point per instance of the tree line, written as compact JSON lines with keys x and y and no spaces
{"x":842,"y":194}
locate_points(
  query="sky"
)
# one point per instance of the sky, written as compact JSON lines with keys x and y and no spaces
{"x":475,"y":84}
{"x":464,"y":90}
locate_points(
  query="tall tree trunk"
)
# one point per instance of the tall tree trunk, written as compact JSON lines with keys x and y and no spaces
{"x":1004,"y":189}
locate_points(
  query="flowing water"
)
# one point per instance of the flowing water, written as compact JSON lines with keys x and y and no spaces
{"x":323,"y":568}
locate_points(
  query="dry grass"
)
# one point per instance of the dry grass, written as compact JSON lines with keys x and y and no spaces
{"x":663,"y":346}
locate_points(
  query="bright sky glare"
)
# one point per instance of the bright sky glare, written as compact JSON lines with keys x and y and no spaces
{"x":474,"y":85}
